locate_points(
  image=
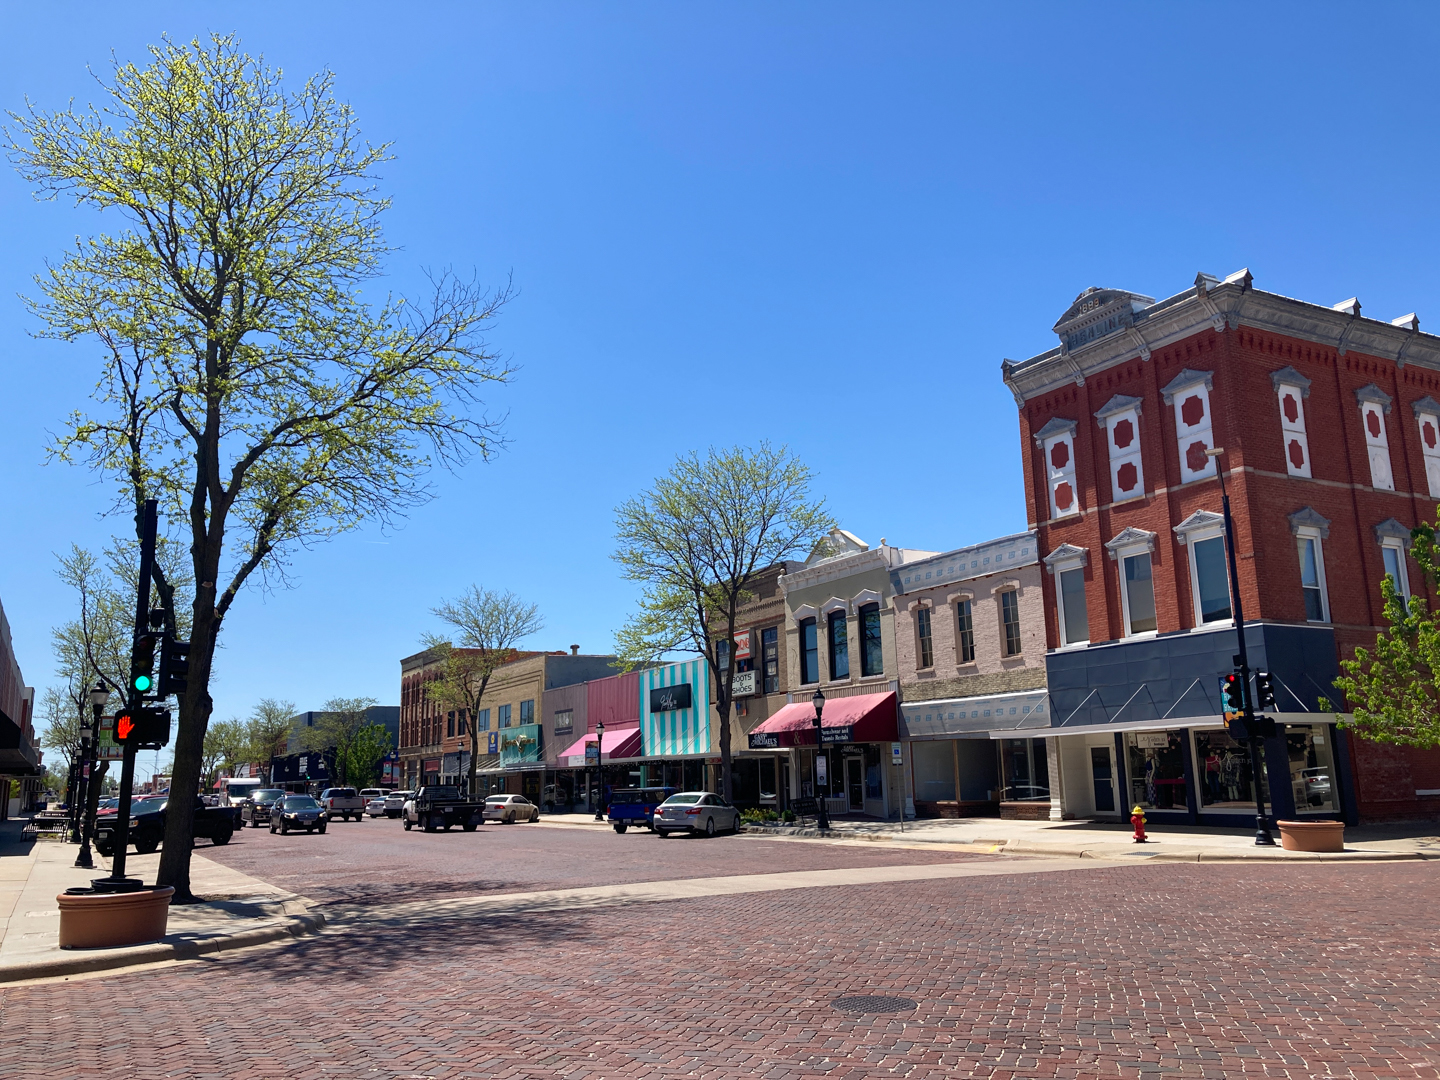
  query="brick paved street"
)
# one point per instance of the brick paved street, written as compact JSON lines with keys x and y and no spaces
{"x":1131,"y":971}
{"x":379,"y":862}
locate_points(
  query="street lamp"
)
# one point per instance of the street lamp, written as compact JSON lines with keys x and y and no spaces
{"x":822,"y":818}
{"x":600,"y":769}
{"x":99,"y":695}
{"x":1262,"y":828}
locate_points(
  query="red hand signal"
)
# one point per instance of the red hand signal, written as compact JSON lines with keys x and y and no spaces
{"x":124,"y":725}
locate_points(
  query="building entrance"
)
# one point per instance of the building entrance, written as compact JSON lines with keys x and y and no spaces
{"x":1102,"y":770}
{"x":855,"y":783}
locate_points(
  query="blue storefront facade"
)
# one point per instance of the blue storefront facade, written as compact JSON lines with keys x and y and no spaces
{"x":1139,"y":722}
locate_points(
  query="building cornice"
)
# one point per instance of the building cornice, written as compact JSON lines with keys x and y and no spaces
{"x":1228,"y":305}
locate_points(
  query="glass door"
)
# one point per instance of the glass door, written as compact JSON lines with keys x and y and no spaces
{"x":855,"y":783}
{"x":1102,"y":770}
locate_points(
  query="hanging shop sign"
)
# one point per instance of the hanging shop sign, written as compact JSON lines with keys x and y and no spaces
{"x":743,"y":684}
{"x":492,"y":743}
{"x":764,"y":740}
{"x":670,"y":698}
{"x":831,"y":736}
{"x":822,"y":768}
{"x":742,"y":645}
{"x":520,"y":745}
{"x":592,"y":753}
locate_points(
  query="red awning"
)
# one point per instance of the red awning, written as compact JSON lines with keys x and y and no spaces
{"x":618,"y":743}
{"x":869,"y":718}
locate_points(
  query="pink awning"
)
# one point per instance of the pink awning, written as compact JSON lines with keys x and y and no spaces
{"x":618,"y":743}
{"x":866,"y":718}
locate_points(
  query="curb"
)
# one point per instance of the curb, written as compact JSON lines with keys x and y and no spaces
{"x":1013,"y":847}
{"x":137,"y":955}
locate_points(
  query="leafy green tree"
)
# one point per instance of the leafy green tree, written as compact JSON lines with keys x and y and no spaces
{"x":248,"y":382}
{"x":226,"y":743}
{"x":267,"y":732}
{"x":62,"y":718}
{"x":489,"y":627}
{"x":344,"y":727}
{"x":696,"y":541}
{"x":1393,"y":689}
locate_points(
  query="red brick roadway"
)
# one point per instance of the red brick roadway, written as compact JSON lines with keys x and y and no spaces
{"x":1210,"y":970}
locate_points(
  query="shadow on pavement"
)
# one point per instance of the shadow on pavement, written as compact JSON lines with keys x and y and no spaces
{"x":11,"y":842}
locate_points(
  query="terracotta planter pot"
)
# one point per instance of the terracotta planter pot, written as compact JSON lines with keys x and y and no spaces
{"x":107,"y":920}
{"x":1312,"y":835}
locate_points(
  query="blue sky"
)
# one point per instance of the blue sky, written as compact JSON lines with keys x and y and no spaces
{"x":821,"y":224}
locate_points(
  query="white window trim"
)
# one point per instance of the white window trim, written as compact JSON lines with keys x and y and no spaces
{"x":1310,"y":532}
{"x":1191,"y":539}
{"x":1064,"y":566}
{"x":1121,"y":554}
{"x":1398,"y":546}
{"x":834,"y":604}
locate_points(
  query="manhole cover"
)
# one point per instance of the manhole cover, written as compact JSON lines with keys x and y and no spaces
{"x":865,"y":1004}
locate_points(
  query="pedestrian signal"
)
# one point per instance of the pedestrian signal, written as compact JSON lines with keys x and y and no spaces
{"x":147,"y":728}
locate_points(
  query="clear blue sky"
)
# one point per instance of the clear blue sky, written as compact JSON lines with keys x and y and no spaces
{"x":823,"y":224}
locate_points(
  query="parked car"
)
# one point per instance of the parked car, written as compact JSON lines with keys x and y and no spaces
{"x":257,"y":806}
{"x":395,"y":802}
{"x":441,"y":806}
{"x":1317,"y":786}
{"x":297,"y":812}
{"x":342,"y":802}
{"x":695,"y":812}
{"x":635,"y":806}
{"x":508,"y":809}
{"x":375,"y":805}
{"x":147,"y":825}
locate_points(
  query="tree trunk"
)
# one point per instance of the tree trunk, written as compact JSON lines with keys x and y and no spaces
{"x":195,"y":708}
{"x":727,"y":782}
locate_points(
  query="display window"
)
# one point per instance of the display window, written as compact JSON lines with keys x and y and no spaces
{"x":1156,"y":761}
{"x":1312,"y":768}
{"x":934,"y":770}
{"x":1024,"y":769}
{"x":1222,"y":772}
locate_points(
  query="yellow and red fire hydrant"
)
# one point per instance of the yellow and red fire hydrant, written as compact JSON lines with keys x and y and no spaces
{"x":1137,"y":818}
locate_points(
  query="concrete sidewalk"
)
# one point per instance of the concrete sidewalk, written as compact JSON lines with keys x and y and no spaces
{"x":1102,"y":840}
{"x":239,"y":911}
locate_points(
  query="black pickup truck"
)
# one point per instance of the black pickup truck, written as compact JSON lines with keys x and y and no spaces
{"x":147,"y":825}
{"x":441,"y":806}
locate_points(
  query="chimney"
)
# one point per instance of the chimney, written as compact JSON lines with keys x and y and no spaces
{"x":574,"y":650}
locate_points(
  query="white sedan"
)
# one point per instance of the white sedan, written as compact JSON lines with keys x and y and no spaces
{"x":375,"y":807}
{"x":698,"y":812}
{"x":508,"y":809}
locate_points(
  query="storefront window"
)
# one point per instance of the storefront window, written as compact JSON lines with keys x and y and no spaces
{"x":873,"y":786}
{"x":1024,"y":770}
{"x":1222,"y":767}
{"x":934,"y":770}
{"x":1312,"y":768}
{"x":1157,"y":769}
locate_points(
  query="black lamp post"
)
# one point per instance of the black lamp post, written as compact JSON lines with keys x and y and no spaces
{"x":1262,"y":827}
{"x":99,"y":695}
{"x":600,"y":769}
{"x":822,"y":816}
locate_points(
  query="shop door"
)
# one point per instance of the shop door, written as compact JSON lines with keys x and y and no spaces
{"x":855,"y":783}
{"x":1102,"y":769}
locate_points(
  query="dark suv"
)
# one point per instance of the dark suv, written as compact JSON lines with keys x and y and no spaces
{"x":257,"y":806}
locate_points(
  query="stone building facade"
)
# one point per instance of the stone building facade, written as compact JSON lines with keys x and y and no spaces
{"x":970,"y":656}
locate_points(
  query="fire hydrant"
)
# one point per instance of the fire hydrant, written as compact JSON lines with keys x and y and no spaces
{"x":1137,"y":818}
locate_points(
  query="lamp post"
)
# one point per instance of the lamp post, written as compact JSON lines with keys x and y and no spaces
{"x":822,"y":816}
{"x":89,"y":736}
{"x":1262,"y":827}
{"x":600,"y":769}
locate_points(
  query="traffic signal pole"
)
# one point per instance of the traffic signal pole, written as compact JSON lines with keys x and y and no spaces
{"x":1262,"y":827}
{"x":117,"y":881}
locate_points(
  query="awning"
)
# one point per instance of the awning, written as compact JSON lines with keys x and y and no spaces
{"x":1176,"y":723}
{"x":618,"y":743}
{"x":857,"y":719}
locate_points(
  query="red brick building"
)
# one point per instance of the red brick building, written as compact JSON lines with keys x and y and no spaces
{"x":1331,"y":435}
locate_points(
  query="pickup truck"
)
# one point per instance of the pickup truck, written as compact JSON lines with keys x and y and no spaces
{"x":636,"y":806}
{"x":441,"y":806}
{"x":147,"y":825}
{"x":341,"y":802}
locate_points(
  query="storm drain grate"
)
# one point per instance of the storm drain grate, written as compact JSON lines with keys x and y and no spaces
{"x":864,"y":1004}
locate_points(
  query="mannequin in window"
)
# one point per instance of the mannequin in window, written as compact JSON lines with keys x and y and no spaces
{"x":1212,"y":775}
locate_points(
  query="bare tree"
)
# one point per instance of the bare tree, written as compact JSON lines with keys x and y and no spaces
{"x":488,"y":628}
{"x":696,"y":541}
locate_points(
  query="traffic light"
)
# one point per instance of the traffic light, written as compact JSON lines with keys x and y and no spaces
{"x":142,"y":663}
{"x":149,"y":728}
{"x":174,"y":666}
{"x":1264,"y":691}
{"x":1232,"y":695}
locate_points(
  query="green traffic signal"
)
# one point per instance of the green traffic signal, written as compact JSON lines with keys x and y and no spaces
{"x":143,"y":683}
